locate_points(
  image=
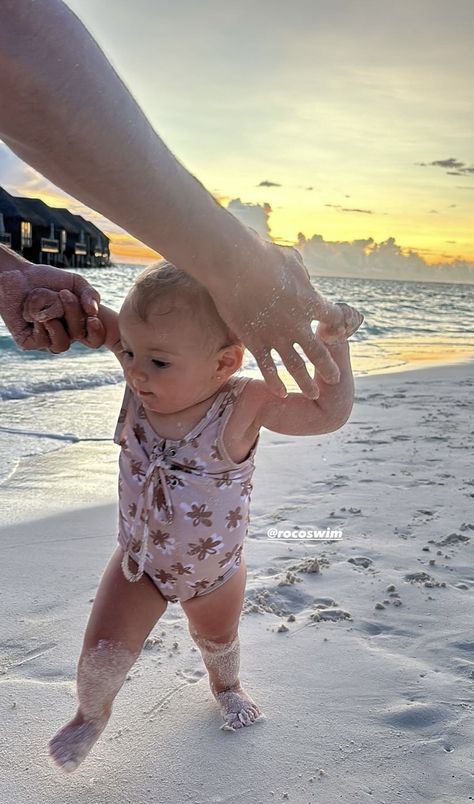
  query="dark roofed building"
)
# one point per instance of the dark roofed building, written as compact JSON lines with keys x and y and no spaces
{"x":44,"y":234}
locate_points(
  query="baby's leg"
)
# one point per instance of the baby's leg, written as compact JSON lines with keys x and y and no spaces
{"x":122,"y":616}
{"x":214,"y":625}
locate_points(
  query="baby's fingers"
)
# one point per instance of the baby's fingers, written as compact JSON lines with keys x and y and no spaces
{"x":42,"y":304}
{"x":95,"y":333}
{"x":352,"y":320}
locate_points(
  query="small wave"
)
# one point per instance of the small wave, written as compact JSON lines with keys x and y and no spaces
{"x":75,"y":383}
{"x":73,"y":439}
{"x":7,"y":344}
{"x":371,"y":329}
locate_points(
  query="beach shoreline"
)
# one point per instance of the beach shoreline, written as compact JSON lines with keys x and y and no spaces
{"x":367,"y":688}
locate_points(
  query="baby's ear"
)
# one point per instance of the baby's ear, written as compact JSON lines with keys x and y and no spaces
{"x":231,"y":357}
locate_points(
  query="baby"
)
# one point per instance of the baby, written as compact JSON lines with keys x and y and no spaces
{"x":188,"y":431}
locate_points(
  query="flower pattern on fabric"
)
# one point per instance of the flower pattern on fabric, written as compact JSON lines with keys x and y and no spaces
{"x":140,"y":434}
{"x":137,"y":469}
{"x":188,"y":464}
{"x":233,"y":518}
{"x":163,"y":540}
{"x":215,"y":453}
{"x":182,"y":569}
{"x":224,"y":480}
{"x":234,"y":553}
{"x":206,"y":546}
{"x":165,"y":578}
{"x":199,"y":515}
{"x":246,"y":488}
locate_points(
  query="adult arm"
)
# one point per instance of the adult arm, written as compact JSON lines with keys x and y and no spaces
{"x":67,"y":113}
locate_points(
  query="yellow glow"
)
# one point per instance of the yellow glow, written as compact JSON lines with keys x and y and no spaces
{"x":425,"y":233}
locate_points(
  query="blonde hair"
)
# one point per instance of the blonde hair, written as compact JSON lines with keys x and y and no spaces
{"x":164,"y":283}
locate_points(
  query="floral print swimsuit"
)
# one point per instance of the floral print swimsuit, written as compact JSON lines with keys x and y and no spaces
{"x":183,"y":504}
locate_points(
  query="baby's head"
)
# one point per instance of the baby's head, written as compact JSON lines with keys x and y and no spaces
{"x":177,"y":349}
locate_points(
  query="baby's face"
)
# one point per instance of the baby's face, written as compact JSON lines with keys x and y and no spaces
{"x":165,"y":360}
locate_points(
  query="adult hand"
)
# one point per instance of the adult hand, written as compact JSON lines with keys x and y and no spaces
{"x":43,"y":329}
{"x":48,"y":310}
{"x":269,"y":302}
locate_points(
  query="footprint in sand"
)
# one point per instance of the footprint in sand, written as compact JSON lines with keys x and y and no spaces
{"x":424,"y":578}
{"x":191,"y":676}
{"x":360,"y":561}
{"x":415,"y":715}
{"x":328,"y":610}
{"x":453,"y":538}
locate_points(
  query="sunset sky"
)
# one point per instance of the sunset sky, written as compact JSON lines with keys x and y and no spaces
{"x":331,"y":118}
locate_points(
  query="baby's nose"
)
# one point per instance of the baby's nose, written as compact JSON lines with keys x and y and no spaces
{"x":136,"y":372}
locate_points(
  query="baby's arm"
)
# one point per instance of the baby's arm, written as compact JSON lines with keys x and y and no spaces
{"x":109,"y":320}
{"x":298,"y":415}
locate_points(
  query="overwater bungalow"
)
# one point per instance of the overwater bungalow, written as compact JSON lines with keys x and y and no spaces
{"x":49,"y":235}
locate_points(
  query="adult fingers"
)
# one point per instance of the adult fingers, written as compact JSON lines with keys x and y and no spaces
{"x":297,"y":368}
{"x":269,"y":372}
{"x":74,"y":317}
{"x":317,"y":353}
{"x":87,"y":295}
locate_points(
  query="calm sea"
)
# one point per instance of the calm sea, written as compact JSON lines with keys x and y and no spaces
{"x":49,"y":401}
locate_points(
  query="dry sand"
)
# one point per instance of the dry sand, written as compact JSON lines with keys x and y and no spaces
{"x":364,"y":669}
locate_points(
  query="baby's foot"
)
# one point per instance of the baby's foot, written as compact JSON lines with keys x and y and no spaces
{"x":70,"y":746}
{"x":237,"y":708}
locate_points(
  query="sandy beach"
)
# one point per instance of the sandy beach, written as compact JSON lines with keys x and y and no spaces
{"x":362,"y":660}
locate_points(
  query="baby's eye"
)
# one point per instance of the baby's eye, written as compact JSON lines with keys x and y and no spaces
{"x":160,"y":363}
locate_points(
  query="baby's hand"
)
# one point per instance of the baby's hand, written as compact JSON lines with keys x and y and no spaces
{"x":343,"y":326}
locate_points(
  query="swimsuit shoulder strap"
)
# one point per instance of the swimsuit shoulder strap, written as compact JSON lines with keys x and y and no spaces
{"x":122,"y":417}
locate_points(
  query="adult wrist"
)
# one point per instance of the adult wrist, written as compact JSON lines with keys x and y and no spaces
{"x":229,"y":249}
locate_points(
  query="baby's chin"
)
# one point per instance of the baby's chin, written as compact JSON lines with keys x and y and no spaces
{"x":154,"y":404}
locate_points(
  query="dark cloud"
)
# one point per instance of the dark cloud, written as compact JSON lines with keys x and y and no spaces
{"x":364,"y":211}
{"x":457,"y":168}
{"x":448,"y":163}
{"x":345,"y":209}
{"x":267,"y":183}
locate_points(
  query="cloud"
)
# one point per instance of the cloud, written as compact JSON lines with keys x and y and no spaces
{"x":386,"y":260}
{"x":346,"y":209}
{"x":267,"y":183}
{"x":254,"y":215}
{"x":457,"y":168}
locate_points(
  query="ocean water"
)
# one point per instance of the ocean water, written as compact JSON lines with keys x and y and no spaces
{"x":48,"y":401}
